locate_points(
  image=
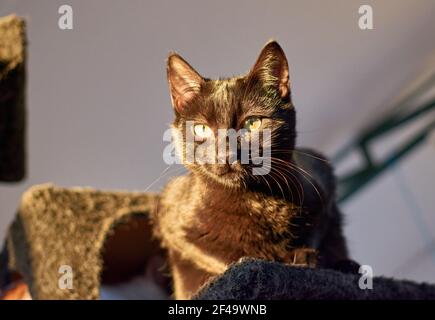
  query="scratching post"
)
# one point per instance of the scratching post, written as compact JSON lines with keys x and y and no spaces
{"x":12,"y":98}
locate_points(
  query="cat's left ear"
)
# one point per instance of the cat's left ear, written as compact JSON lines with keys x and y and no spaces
{"x":271,"y":69}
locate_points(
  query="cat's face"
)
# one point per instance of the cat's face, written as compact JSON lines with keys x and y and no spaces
{"x":250,"y":105}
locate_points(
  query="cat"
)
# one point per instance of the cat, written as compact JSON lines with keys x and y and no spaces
{"x":221,"y":212}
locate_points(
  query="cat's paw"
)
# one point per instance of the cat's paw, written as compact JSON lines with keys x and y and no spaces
{"x":303,"y":257}
{"x":347,"y":266}
{"x":244,"y":259}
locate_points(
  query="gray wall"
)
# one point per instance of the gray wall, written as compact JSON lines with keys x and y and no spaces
{"x":97,"y":95}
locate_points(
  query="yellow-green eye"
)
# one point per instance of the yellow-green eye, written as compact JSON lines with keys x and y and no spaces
{"x":202,"y":131}
{"x":252,"y":123}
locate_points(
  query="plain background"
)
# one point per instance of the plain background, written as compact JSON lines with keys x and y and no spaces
{"x":98,"y":102}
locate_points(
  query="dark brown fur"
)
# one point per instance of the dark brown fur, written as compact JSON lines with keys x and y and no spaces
{"x":220,"y":213}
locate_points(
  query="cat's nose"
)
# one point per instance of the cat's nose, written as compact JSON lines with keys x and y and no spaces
{"x":232,"y":157}
{"x":236,"y":165}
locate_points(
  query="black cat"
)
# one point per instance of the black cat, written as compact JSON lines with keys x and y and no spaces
{"x":222,"y":212}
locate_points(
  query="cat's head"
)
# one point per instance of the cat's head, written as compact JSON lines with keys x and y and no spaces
{"x":254,"y":103}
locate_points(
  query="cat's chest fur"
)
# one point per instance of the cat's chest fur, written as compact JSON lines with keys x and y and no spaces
{"x":224,"y":226}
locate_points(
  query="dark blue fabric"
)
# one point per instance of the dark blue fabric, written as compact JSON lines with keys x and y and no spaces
{"x":257,"y":279}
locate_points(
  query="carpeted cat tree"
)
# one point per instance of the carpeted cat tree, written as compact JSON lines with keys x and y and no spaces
{"x":105,"y":237}
{"x":75,"y":227}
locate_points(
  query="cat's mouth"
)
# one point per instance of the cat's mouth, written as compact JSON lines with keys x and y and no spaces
{"x":225,"y":170}
{"x":226,"y":174}
{"x":234,"y":176}
{"x":230,"y":175}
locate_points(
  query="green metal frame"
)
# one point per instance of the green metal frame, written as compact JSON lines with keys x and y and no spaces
{"x":351,"y":183}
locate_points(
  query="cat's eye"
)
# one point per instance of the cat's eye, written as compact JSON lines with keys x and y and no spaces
{"x":202,"y":131}
{"x":252,"y":123}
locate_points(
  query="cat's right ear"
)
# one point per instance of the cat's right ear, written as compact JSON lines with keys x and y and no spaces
{"x":184,"y":82}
